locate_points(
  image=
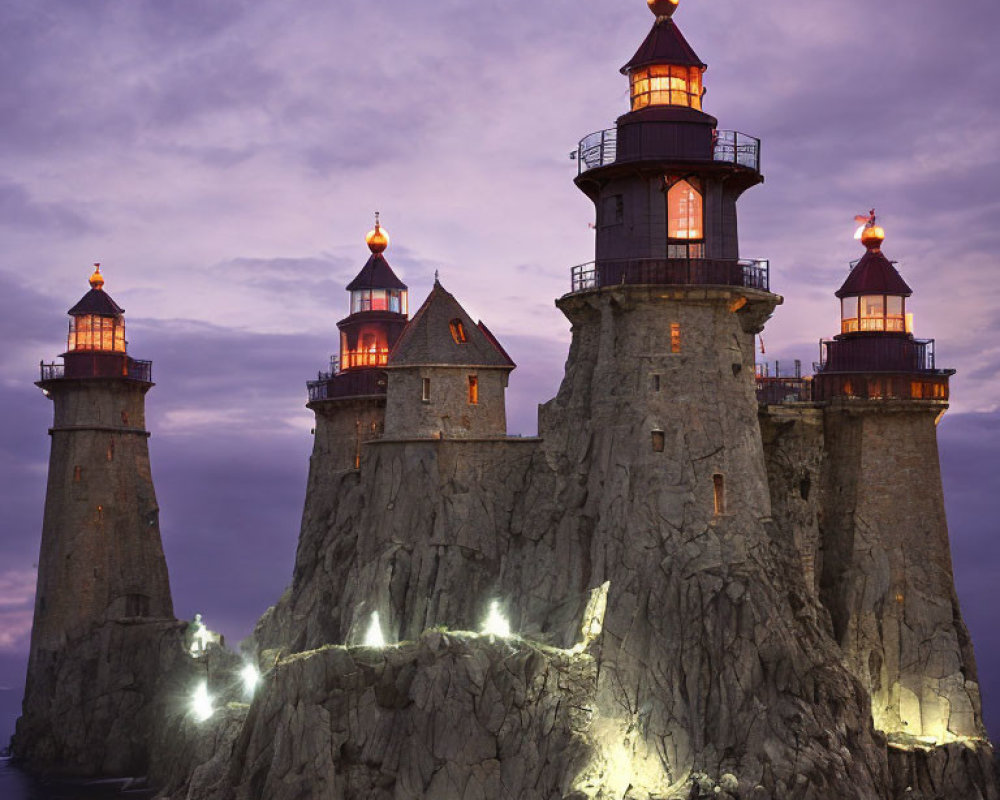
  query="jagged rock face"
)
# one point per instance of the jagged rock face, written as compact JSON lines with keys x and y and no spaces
{"x":92,"y":708}
{"x":449,"y":716}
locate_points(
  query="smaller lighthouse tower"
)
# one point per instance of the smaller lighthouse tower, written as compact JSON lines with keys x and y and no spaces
{"x":886,"y":573}
{"x":349,"y":400}
{"x":101,"y":556}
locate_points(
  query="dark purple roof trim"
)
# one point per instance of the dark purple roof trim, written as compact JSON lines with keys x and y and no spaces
{"x":664,"y":45}
{"x":97,"y":302}
{"x":376,"y":274}
{"x":874,"y":274}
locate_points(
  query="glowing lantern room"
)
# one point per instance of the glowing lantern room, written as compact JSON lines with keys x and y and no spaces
{"x":873,"y":298}
{"x":97,"y":323}
{"x":665,"y":71}
{"x":379,"y":306}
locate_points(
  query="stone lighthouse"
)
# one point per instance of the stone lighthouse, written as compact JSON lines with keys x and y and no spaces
{"x":886,"y":567}
{"x":101,"y":557}
{"x":349,"y":400}
{"x":103,"y":621}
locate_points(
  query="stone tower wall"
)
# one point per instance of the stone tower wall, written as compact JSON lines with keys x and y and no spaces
{"x":101,"y":555}
{"x":887,"y":575}
{"x":448,"y":412}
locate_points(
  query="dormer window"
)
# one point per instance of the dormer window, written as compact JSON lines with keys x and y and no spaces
{"x":458,"y":331}
{"x":662,"y":85}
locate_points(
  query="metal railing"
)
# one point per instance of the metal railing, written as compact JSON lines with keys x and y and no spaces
{"x":773,"y":391}
{"x":877,"y":354}
{"x":750,"y":274}
{"x":132,"y":369}
{"x":352,"y":383}
{"x":599,"y":149}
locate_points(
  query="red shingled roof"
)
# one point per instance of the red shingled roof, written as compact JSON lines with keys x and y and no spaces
{"x":874,"y":274}
{"x":664,"y":45}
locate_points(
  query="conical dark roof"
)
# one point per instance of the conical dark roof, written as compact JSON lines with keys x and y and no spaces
{"x":428,"y":338}
{"x":376,"y":274}
{"x":97,"y":302}
{"x":874,"y":274}
{"x":664,"y":45}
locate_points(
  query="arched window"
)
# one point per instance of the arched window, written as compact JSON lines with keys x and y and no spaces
{"x":458,"y":331}
{"x":685,"y":211}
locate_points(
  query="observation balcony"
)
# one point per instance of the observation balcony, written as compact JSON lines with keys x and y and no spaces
{"x":101,"y":366}
{"x":774,"y":391}
{"x":749,"y":274}
{"x":879,"y":367}
{"x":335,"y":385}
{"x":599,"y":149}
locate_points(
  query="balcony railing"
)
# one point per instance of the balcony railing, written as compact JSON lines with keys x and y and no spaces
{"x":100,"y":368}
{"x":750,"y":274}
{"x":599,"y":149}
{"x":772,"y":391}
{"x":877,"y":354}
{"x":357,"y":383}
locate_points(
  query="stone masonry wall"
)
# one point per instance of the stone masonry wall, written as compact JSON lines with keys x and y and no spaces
{"x":447,"y":412}
{"x":887,"y":576}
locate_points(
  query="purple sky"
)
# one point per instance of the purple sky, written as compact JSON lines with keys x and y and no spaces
{"x":223,"y":161}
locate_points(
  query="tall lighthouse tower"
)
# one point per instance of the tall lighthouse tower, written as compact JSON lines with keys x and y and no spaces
{"x":887,"y":575}
{"x":101,"y":556}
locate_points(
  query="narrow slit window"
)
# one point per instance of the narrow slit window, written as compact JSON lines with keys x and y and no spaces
{"x":675,"y":337}
{"x":656,"y":383}
{"x":659,"y":441}
{"x":425,"y":390}
{"x":473,"y":390}
{"x":719,"y":484}
{"x":77,"y":474}
{"x":111,"y":450}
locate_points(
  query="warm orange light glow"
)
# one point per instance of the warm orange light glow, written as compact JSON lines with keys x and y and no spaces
{"x":91,"y":332}
{"x":473,"y":390}
{"x":684,"y":212}
{"x":664,"y":85}
{"x":377,"y":239}
{"x":662,"y":8}
{"x":873,"y":313}
{"x":675,"y":337}
{"x":97,"y":280}
{"x":458,"y":331}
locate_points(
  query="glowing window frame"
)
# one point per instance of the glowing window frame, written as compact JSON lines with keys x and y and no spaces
{"x":666,"y":85}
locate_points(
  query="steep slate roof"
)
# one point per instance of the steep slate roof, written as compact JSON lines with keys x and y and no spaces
{"x":97,"y":302}
{"x":376,"y":274}
{"x":427,"y":338}
{"x":874,"y":274}
{"x":664,"y":45}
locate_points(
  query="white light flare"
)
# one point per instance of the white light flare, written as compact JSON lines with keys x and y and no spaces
{"x":251,"y":677}
{"x":496,"y":623}
{"x":859,"y":231}
{"x":374,"y":636}
{"x":202,"y":703}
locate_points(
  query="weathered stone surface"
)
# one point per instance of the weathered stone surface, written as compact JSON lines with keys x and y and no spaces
{"x":107,"y":693}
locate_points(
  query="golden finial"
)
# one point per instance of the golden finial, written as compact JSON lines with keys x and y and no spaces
{"x":663,"y":9}
{"x":870,"y":234}
{"x":97,"y":279}
{"x":377,"y":239}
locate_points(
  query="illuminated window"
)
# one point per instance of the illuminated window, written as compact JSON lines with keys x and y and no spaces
{"x":685,"y":211}
{"x":77,"y":474}
{"x":873,"y":312}
{"x":719,"y":486}
{"x":675,"y":337}
{"x":458,"y":331}
{"x":473,"y":390}
{"x":895,"y":319}
{"x":425,"y":390}
{"x":663,"y":85}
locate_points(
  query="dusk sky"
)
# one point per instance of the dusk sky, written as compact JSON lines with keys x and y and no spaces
{"x":223,"y":161}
